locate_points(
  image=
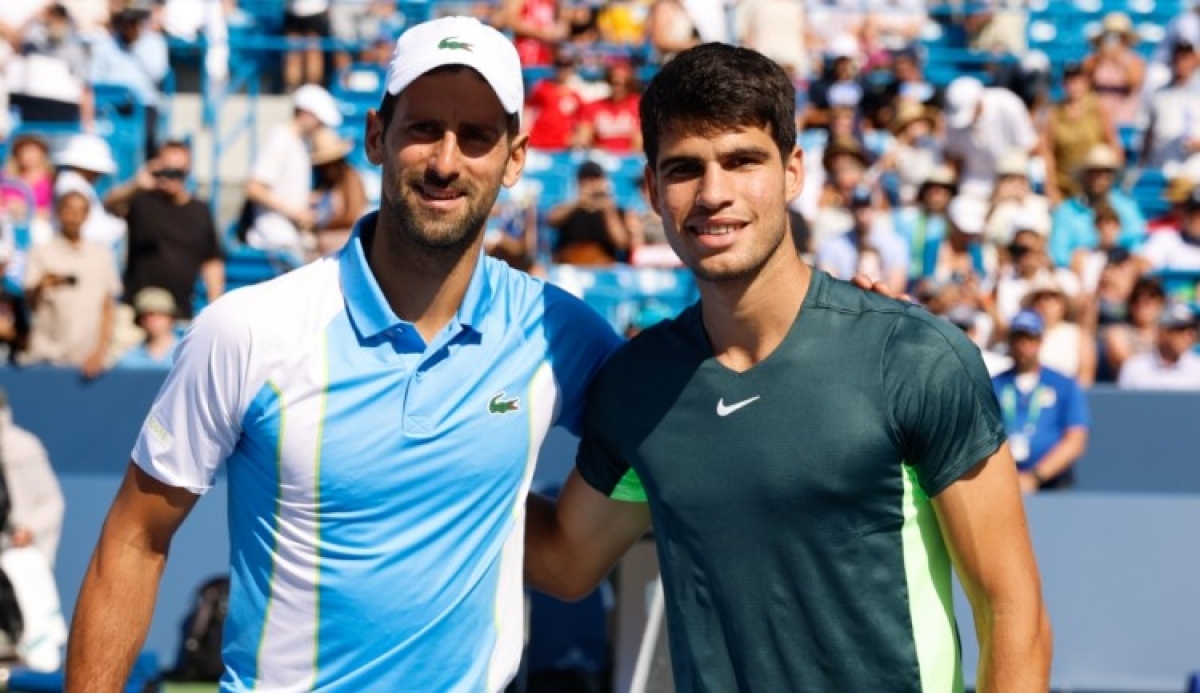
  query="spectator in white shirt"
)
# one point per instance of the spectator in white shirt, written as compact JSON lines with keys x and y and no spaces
{"x":1167,"y":249}
{"x":280,"y":184}
{"x":1173,"y":133}
{"x":1173,"y":365}
{"x":983,"y":125}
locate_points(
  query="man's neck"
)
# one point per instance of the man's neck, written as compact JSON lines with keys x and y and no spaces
{"x":747,"y":320}
{"x":158,"y":345}
{"x":423,"y":286}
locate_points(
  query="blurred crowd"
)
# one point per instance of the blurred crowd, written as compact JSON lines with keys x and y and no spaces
{"x":1011,"y":180}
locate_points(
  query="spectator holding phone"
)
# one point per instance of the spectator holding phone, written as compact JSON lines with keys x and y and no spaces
{"x":71,"y":284}
{"x":172,"y":235}
{"x":591,"y":229}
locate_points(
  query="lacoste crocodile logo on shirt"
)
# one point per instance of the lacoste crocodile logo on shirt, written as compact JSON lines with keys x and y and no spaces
{"x":499,"y":405}
{"x":727,"y":409}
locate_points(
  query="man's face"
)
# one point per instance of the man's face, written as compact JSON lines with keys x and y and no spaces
{"x":1177,"y":341}
{"x":174,"y":166}
{"x":723,"y":199}
{"x":1183,"y":64}
{"x":72,"y":213}
{"x":157,"y":324}
{"x":1191,"y":223}
{"x":1097,"y":181}
{"x":937,"y":198}
{"x":444,"y":155}
{"x":1024,"y":349}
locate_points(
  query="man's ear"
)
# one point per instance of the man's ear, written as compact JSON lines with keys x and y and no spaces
{"x":794,"y":173}
{"x":651,"y":187}
{"x":373,"y":143}
{"x":516,"y":160}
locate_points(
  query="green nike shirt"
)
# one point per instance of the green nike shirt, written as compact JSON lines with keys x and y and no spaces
{"x":791,"y":503}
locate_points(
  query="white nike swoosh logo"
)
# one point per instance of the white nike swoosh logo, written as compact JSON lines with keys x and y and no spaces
{"x":727,"y":409}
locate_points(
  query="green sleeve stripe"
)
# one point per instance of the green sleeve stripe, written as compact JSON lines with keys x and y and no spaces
{"x":629,"y":488}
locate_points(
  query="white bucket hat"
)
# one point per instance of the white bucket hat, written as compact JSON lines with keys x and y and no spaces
{"x":459,"y":41}
{"x":318,"y":102}
{"x":87,"y":152}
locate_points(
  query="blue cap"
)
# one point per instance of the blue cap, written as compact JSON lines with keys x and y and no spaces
{"x":1027,"y":322}
{"x":1177,"y":316}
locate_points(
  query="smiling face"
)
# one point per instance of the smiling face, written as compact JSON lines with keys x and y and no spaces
{"x":445,"y":150}
{"x":723,"y":199}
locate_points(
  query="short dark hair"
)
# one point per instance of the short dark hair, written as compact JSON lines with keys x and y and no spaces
{"x":715,"y":87}
{"x":388,"y":106}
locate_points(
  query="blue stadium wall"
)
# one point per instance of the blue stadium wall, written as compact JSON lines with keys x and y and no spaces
{"x":1119,"y":555}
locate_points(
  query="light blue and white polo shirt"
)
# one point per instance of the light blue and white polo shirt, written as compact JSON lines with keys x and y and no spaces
{"x":376,"y":483}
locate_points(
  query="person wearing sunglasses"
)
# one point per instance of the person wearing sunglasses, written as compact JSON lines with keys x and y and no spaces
{"x":172,"y":236}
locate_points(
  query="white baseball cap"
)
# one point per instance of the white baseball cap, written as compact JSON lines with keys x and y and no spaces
{"x":459,"y":41}
{"x":318,"y":102}
{"x":962,"y":96}
{"x":88,"y":153}
{"x":968,"y":213}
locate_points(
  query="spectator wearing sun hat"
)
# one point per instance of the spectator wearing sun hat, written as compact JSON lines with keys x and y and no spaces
{"x":915,"y":151}
{"x":1015,"y":199}
{"x":1115,"y":69}
{"x":1173,"y":364}
{"x":339,"y":194}
{"x":1067,"y":346}
{"x":156,"y":314}
{"x":1073,"y":224}
{"x":926,"y":225}
{"x":280,"y":182}
{"x":82,"y":162}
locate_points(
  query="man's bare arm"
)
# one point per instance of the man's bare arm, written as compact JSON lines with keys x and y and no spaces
{"x":116,"y":601}
{"x":983,"y":522}
{"x":570,"y":546}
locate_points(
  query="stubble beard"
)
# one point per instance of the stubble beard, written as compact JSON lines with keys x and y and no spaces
{"x":441,"y":234}
{"x":746,"y":265}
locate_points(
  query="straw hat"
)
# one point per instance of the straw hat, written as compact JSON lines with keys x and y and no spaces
{"x":152,"y":299}
{"x":327,"y":147}
{"x":1100,"y":157}
{"x":942,"y":176}
{"x":1178,"y":190}
{"x":847,"y":146}
{"x":1014,"y":163}
{"x":1118,"y":23}
{"x":909,"y":113}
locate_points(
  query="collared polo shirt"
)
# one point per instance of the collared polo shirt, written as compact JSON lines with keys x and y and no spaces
{"x":376,"y":482}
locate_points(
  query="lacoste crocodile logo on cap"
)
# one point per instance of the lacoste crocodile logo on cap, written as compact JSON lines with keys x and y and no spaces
{"x":499,"y":405}
{"x":451,"y":43}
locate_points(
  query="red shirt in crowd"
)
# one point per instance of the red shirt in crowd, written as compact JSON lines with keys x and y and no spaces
{"x":540,"y":14}
{"x":614,"y":124}
{"x":556,"y":110}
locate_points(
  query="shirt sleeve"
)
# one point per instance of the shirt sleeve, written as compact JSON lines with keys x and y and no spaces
{"x":599,"y":459}
{"x":1075,"y":409}
{"x":267,"y":164}
{"x":941,"y":400}
{"x":195,"y":420}
{"x":580,"y":342}
{"x":35,"y":269}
